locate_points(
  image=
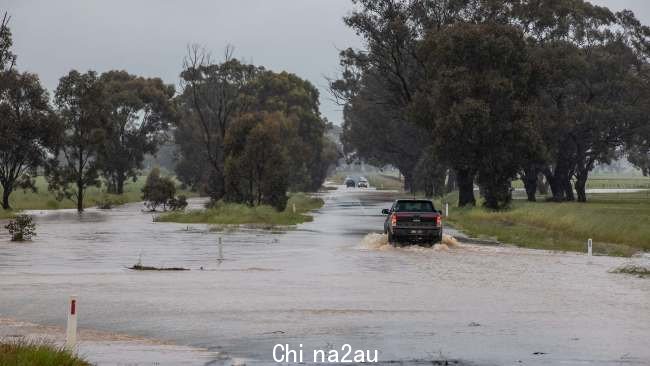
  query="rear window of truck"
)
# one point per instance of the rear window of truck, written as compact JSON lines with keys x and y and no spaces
{"x":414,"y":206}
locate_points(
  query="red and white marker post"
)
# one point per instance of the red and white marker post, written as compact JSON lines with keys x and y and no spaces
{"x":71,"y":330}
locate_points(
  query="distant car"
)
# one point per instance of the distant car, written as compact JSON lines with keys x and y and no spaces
{"x":363,"y":183}
{"x":413,"y":222}
{"x":350,"y":183}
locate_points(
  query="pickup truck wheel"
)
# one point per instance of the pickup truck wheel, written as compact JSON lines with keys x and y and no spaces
{"x":391,"y":239}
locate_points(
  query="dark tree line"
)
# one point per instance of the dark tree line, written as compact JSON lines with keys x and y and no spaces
{"x":99,"y":127}
{"x":487,"y":91}
{"x":245,"y":134}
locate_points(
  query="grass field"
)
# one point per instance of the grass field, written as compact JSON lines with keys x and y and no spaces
{"x":239,"y":214}
{"x":36,"y":354}
{"x":619,"y":224}
{"x":46,"y":200}
{"x":611,"y":182}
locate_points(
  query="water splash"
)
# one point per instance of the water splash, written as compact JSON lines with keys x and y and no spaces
{"x":375,"y":241}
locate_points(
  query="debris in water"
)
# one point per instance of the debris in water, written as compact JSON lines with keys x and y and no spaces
{"x":474,"y":324}
{"x":139,"y":267}
{"x":632,"y":269}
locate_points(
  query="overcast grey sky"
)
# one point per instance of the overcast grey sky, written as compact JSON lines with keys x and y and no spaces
{"x":149,"y":37}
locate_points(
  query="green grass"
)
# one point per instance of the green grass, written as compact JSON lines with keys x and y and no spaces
{"x":602,"y":182}
{"x":619,"y":224}
{"x":37,"y":354}
{"x":239,"y":214}
{"x":43,"y":199}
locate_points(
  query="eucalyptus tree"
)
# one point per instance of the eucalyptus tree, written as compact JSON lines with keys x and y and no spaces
{"x":28,"y":131}
{"x":139,"y":111}
{"x":81,"y":105}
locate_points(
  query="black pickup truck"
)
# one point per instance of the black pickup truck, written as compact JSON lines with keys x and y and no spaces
{"x":413,"y":222}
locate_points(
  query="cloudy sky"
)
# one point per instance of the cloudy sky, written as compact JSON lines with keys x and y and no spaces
{"x":149,"y":37}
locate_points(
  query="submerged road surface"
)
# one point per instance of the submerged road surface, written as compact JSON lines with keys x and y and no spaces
{"x":327,"y":283}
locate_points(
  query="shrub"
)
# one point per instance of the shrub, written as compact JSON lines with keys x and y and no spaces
{"x":21,"y":228}
{"x":157,"y":191}
{"x":177,"y":204}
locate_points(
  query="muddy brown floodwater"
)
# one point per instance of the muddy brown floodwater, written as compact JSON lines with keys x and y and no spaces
{"x":327,"y":283}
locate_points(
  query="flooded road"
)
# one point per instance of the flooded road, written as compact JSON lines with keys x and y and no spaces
{"x":322,"y":285}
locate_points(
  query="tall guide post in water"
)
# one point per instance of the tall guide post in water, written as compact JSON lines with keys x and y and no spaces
{"x":71,"y":329}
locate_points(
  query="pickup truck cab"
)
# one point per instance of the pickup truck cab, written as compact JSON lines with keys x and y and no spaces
{"x":413,"y":222}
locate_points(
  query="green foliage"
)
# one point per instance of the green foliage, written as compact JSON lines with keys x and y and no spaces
{"x":178,"y":204}
{"x":257,"y":161}
{"x":139,"y":112}
{"x":80,"y":100}
{"x":239,"y":214}
{"x":217,"y":108}
{"x":7,"y":58}
{"x":158,"y":190}
{"x":28,"y":131}
{"x":21,"y":228}
{"x":37,"y":354}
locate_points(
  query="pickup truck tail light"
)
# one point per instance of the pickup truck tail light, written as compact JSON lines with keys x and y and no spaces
{"x":438,"y":220}
{"x":393,"y":220}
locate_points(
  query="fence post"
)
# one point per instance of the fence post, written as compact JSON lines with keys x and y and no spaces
{"x":71,"y":329}
{"x":220,"y":258}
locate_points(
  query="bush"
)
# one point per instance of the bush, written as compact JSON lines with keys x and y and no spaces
{"x":177,"y":204}
{"x":158,"y":191}
{"x":21,"y":228}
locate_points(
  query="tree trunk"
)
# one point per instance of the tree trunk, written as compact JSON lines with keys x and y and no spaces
{"x":530,"y":183}
{"x":558,"y":180}
{"x":568,"y":189}
{"x":451,"y":181}
{"x":120,"y":178}
{"x":542,"y":185}
{"x":5,"y":197}
{"x":581,"y":186}
{"x":80,"y":196}
{"x":428,"y":189}
{"x":465,"y":180}
{"x":408,"y":182}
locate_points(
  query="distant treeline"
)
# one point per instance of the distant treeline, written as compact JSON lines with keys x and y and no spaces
{"x":466,"y":92}
{"x":245,"y":134}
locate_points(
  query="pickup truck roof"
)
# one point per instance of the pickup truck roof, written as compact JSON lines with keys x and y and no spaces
{"x":413,"y":206}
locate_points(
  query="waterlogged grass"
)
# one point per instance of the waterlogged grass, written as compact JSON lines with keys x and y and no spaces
{"x":239,"y":214}
{"x":619,"y":224}
{"x":37,"y":354}
{"x":43,"y":199}
{"x":631,"y":269}
{"x":6,"y":214}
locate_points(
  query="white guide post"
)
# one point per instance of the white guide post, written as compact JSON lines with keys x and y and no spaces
{"x":590,"y":247}
{"x":446,"y":209}
{"x":220,"y":258}
{"x":71,"y":329}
